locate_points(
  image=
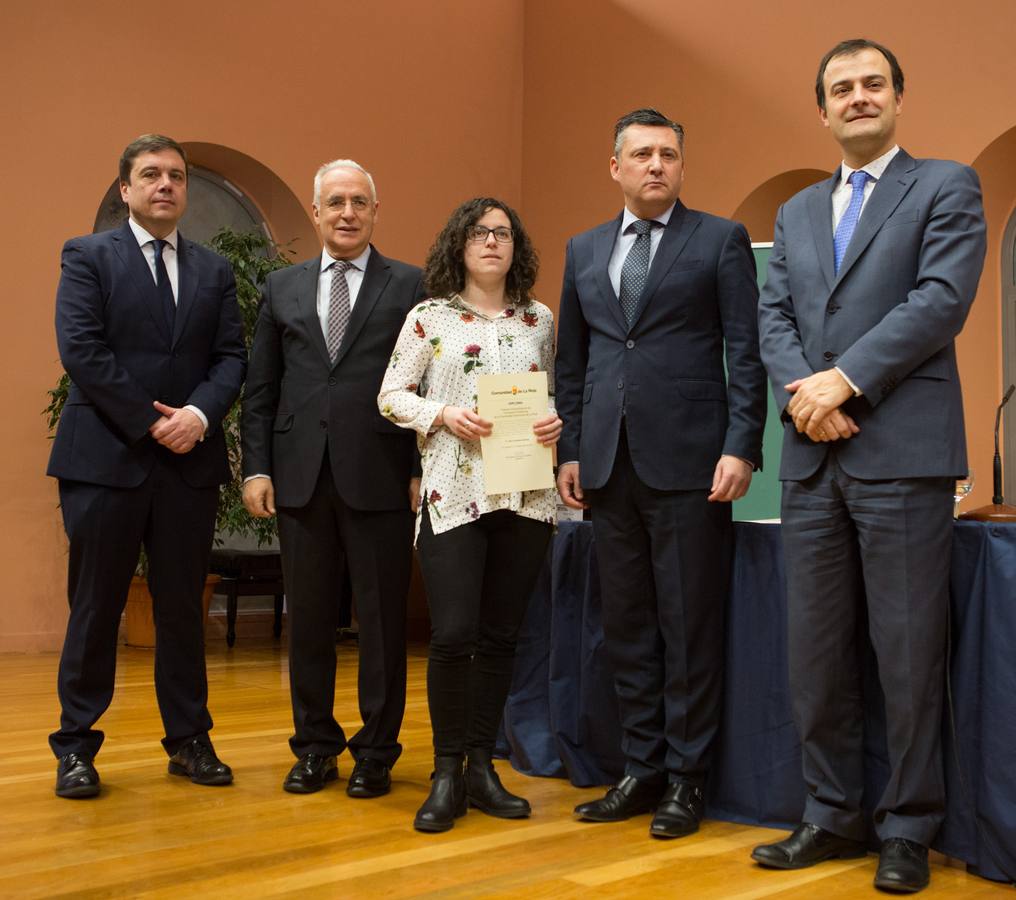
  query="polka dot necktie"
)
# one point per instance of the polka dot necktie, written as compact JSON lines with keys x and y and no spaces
{"x":845,"y":230}
{"x":338,"y":307}
{"x":635,"y":269}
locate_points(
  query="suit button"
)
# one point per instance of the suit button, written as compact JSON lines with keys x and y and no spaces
{"x":831,"y":309}
{"x":332,"y":382}
{"x":629,"y":344}
{"x":324,"y":425}
{"x":828,"y":355}
{"x":620,"y":385}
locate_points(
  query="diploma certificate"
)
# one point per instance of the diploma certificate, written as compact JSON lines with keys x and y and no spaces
{"x":513,"y":460}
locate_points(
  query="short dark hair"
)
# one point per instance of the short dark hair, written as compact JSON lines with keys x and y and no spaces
{"x":445,"y":270}
{"x":645,"y":116}
{"x":147,"y":143}
{"x":849,"y":48}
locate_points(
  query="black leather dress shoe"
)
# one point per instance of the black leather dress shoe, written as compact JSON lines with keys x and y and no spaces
{"x":370,"y":778}
{"x":198,"y":762}
{"x":679,"y":811}
{"x":310,"y":773}
{"x":902,"y":867}
{"x":76,"y":777}
{"x":630,"y":797}
{"x":808,"y":845}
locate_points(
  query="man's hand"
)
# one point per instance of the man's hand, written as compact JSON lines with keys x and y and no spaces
{"x":569,"y":487}
{"x":259,"y":497}
{"x":414,"y":494}
{"x":815,"y":397}
{"x":178,"y":429}
{"x":834,"y":427}
{"x":730,"y":479}
{"x":548,"y":430}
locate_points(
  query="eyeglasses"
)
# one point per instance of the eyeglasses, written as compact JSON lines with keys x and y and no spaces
{"x":479,"y":233}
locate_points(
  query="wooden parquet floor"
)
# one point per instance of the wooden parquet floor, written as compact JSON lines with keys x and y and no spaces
{"x":153,"y":835}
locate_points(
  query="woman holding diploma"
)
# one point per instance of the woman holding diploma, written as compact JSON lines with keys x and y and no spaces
{"x":479,"y":553}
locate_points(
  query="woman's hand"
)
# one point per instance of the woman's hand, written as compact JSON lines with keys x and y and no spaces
{"x":548,"y":430}
{"x":464,"y":423}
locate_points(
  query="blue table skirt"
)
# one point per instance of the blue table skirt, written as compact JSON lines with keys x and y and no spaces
{"x":561,"y":719}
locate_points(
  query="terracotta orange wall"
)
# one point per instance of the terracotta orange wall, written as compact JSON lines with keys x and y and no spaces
{"x":427,"y":96}
{"x":441,"y":100}
{"x":739,"y":75}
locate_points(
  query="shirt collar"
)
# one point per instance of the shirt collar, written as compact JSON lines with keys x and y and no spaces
{"x":359,"y":262}
{"x":143,"y":237}
{"x":629,"y":217}
{"x":876,"y":168}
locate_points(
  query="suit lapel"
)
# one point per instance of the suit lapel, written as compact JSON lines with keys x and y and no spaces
{"x":186,"y":284}
{"x":603,"y":247}
{"x":890,"y":189}
{"x":682,"y":224}
{"x":820,"y":214}
{"x":127,"y":249}
{"x":375,"y":280}
{"x":306,"y":305}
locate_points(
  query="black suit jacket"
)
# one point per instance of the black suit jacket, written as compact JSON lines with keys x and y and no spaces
{"x":664,"y":375}
{"x":115,"y":346}
{"x":297,"y":402}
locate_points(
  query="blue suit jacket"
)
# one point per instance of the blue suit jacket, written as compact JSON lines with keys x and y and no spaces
{"x":115,"y":346}
{"x":887,"y":319}
{"x":665,"y":374}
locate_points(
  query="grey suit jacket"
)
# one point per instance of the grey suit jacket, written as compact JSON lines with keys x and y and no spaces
{"x":887,"y":318}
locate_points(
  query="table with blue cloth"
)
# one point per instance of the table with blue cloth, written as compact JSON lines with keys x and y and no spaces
{"x":562,"y":720}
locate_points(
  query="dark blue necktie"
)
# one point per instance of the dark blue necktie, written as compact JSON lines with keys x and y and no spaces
{"x":845,"y":230}
{"x":164,"y":288}
{"x":635,"y":269}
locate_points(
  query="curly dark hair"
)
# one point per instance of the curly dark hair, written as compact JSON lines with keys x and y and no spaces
{"x":445,"y":272}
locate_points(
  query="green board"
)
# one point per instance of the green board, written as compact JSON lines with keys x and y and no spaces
{"x":763,"y":499}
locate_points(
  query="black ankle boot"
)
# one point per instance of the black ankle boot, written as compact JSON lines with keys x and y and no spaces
{"x":485,"y":791}
{"x":447,"y":800}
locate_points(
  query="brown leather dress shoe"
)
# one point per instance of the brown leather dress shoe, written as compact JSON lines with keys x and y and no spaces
{"x":630,"y":797}
{"x":198,"y":762}
{"x":902,"y":867}
{"x":76,"y":777}
{"x":808,"y":845}
{"x":370,"y":778}
{"x":679,"y":812}
{"x":310,"y":773}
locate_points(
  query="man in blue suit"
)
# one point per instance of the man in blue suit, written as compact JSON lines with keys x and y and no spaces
{"x":658,"y":439}
{"x":149,"y":332}
{"x":870,"y":280}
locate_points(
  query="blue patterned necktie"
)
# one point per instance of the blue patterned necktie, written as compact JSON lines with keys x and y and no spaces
{"x":845,"y":230}
{"x":635,"y":269}
{"x":163,"y":286}
{"x":338,"y":307}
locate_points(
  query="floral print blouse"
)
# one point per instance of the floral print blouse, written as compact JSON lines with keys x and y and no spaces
{"x":444,"y":344}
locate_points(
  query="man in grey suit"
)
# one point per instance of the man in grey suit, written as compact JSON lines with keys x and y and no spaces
{"x":658,"y":440}
{"x":870,"y":280}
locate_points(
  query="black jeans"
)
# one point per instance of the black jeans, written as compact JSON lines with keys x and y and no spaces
{"x":479,"y":578}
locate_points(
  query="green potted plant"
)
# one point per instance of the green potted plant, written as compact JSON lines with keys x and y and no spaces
{"x":253,"y":256}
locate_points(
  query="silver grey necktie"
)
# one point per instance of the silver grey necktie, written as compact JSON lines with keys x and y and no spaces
{"x":338,"y":307}
{"x":635,"y":270}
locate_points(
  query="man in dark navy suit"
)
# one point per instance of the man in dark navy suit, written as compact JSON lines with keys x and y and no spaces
{"x":658,"y":440}
{"x":149,"y":332}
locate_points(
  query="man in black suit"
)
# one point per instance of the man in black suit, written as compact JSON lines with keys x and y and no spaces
{"x":340,"y":476}
{"x":149,"y":333}
{"x":657,"y":441}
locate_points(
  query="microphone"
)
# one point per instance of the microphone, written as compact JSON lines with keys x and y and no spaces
{"x":999,"y":510}
{"x":998,"y":499}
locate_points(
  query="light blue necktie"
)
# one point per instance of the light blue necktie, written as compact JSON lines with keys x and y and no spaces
{"x":845,"y":230}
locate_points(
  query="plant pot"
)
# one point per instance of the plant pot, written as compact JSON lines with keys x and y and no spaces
{"x":141,"y":623}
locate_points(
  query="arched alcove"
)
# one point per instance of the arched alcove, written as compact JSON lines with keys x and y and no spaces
{"x":989,"y":340}
{"x":757,"y":212}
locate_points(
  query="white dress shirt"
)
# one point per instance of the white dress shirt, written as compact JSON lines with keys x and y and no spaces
{"x":169,"y":257}
{"x":626,"y":240}
{"x":354,"y":279}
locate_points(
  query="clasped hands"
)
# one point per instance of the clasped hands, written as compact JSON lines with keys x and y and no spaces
{"x":815,"y":406}
{"x":467,"y":425}
{"x":176,"y":429}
